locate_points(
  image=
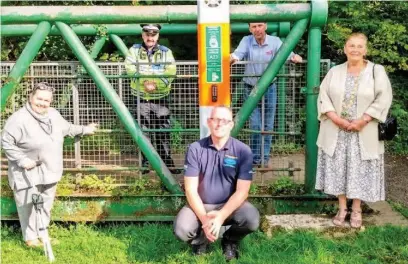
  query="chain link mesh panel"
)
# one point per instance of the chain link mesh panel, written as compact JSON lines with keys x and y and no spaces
{"x":112,"y":152}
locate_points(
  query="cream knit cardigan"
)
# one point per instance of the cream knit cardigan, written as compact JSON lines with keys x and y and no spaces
{"x":373,"y":101}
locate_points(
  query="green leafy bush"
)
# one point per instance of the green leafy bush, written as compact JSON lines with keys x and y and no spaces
{"x":286,"y":186}
{"x":94,"y":183}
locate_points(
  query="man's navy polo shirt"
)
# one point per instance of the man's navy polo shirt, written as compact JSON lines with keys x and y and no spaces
{"x":218,"y":170}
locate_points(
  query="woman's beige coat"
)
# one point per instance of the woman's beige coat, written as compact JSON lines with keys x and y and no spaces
{"x":373,"y":101}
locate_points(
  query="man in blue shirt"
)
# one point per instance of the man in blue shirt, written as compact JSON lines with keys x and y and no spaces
{"x":218,"y":175}
{"x":260,"y":49}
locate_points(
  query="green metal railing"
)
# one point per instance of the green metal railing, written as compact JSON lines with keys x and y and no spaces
{"x":126,"y":30}
{"x":312,"y":15}
{"x":148,"y":14}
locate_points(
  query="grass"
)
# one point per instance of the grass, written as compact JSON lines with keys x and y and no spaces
{"x":399,"y":207}
{"x":155,"y":243}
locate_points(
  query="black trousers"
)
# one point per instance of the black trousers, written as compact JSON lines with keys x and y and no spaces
{"x":155,"y":114}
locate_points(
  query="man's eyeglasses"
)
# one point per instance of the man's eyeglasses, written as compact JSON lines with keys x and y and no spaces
{"x":44,"y":86}
{"x":220,"y":121}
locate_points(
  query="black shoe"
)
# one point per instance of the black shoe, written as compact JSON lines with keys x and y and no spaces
{"x":229,"y":249}
{"x":200,"y":249}
{"x":176,"y":171}
{"x":170,"y":164}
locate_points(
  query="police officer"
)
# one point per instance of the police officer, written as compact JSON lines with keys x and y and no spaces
{"x":145,"y":59}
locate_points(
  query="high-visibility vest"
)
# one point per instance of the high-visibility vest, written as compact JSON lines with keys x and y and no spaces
{"x":139,"y":54}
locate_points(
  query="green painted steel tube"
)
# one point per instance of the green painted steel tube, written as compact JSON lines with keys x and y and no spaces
{"x":124,"y":30}
{"x":120,"y":45}
{"x":284,"y":30}
{"x":27,"y":56}
{"x":97,"y":47}
{"x":147,"y":14}
{"x":317,"y":21}
{"x":120,"y":109}
{"x":312,"y":124}
{"x":320,"y":10}
{"x":271,"y":71}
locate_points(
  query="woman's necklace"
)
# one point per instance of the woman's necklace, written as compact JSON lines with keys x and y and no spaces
{"x":347,"y":104}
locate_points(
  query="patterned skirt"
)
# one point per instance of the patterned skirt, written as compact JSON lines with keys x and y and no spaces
{"x":345,"y":172}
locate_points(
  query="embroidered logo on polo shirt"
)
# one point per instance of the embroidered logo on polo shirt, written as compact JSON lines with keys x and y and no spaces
{"x":269,"y":52}
{"x":230,"y":161}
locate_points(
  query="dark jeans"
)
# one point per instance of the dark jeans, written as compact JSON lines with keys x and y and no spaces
{"x":255,"y":123}
{"x":156,"y":115}
{"x":243,"y":221}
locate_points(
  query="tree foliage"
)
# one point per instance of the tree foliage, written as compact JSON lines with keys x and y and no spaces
{"x":384,"y":23}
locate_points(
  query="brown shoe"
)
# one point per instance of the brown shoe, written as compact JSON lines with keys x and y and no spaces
{"x":356,"y":219}
{"x":33,"y":243}
{"x":339,"y":219}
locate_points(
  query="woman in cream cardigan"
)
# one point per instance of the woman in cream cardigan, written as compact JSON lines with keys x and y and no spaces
{"x":353,"y":98}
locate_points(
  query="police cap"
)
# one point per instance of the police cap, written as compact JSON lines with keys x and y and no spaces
{"x":151,"y":28}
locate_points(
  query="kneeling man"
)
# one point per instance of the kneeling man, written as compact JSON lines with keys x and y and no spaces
{"x":218,"y":175}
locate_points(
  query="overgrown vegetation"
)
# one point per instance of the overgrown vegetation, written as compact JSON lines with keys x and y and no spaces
{"x":92,"y":183}
{"x":106,"y":185}
{"x":286,"y":186}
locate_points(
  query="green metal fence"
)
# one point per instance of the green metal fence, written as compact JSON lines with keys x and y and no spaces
{"x":112,"y":151}
{"x":89,"y":92}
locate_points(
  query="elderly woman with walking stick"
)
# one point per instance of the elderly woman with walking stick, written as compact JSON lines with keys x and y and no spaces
{"x":32,"y":140}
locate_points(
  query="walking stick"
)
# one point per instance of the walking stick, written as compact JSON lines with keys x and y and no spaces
{"x":38,"y":202}
{"x":42,"y":231}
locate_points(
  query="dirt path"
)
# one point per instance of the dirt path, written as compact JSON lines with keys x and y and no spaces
{"x":396,"y":177}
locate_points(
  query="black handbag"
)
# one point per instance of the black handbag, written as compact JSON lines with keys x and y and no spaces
{"x":388,"y":129}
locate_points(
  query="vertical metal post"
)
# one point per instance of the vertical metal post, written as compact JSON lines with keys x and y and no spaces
{"x":263,"y":130}
{"x":32,"y":76}
{"x":313,"y":82}
{"x":139,"y":117}
{"x":282,"y":103}
{"x":24,"y":61}
{"x":75,"y":103}
{"x":284,"y":29}
{"x":120,"y":83}
{"x":317,"y":21}
{"x":119,"y":107}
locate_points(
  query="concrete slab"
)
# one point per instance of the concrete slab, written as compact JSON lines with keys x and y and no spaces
{"x":382,"y":214}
